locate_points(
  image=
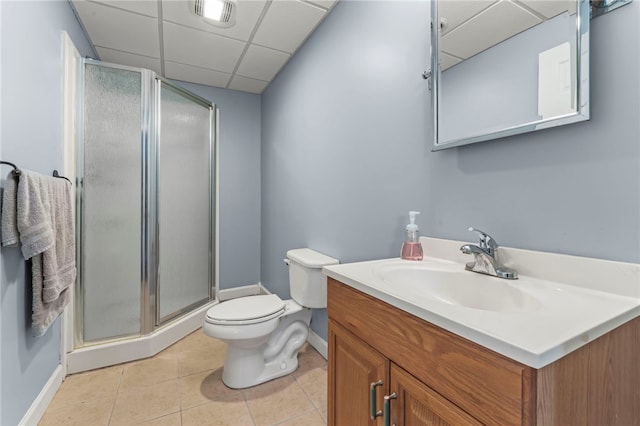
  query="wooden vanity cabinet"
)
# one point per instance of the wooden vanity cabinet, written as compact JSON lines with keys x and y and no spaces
{"x":418,"y":404}
{"x":435,"y":377}
{"x":361,"y":366}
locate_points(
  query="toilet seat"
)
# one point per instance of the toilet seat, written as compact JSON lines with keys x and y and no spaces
{"x":246,"y":310}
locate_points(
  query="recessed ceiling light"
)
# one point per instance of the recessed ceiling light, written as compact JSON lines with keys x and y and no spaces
{"x":221,"y":13}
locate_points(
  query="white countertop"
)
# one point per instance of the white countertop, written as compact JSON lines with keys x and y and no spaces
{"x":569,"y":315}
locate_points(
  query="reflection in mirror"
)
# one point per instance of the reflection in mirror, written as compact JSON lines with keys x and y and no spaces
{"x":600,"y":7}
{"x":505,"y":67}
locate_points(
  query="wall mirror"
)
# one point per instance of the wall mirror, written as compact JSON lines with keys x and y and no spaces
{"x":504,"y":67}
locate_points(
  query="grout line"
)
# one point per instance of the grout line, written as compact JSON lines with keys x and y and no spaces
{"x":179,"y":383}
{"x":295,"y":416}
{"x":307,"y":394}
{"x":113,"y":406}
{"x":246,"y":403}
{"x":119,"y":390}
{"x":249,"y":41}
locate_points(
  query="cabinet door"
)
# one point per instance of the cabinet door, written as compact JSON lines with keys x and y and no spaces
{"x":418,"y":404}
{"x":496,"y":390}
{"x":353,"y":367}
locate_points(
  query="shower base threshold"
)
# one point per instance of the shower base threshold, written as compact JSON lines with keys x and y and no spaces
{"x":112,"y":353}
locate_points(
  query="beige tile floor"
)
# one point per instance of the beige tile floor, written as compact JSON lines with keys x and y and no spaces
{"x":182,"y":386}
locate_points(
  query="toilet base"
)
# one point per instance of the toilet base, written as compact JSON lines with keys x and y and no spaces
{"x":244,"y":367}
{"x":241,"y":375}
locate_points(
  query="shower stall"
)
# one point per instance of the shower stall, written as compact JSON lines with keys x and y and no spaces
{"x":146,"y":167}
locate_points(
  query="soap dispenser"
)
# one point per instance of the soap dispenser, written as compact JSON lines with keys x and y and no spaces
{"x":412,"y":249}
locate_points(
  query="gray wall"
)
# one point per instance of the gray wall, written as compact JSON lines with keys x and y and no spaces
{"x":346,"y":152}
{"x":31,"y":70}
{"x":239,"y":150}
{"x":32,"y":93}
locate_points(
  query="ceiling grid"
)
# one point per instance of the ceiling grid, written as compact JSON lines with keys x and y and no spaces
{"x":168,"y":38}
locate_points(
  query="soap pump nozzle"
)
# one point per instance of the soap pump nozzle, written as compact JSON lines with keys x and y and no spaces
{"x":412,"y":221}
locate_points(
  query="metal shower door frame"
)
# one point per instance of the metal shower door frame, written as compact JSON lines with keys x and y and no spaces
{"x":158,"y":83}
{"x":149,"y":233}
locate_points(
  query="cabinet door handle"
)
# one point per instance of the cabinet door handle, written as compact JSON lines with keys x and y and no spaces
{"x":372,"y":399}
{"x":387,"y":408}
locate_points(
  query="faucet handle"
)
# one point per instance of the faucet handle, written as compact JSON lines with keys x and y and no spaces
{"x":487,"y":242}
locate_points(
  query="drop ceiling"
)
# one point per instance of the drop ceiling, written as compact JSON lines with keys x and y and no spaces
{"x":166,"y":37}
{"x":469,"y":27}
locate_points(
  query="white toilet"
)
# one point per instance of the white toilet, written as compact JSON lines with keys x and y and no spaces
{"x":264,"y":333}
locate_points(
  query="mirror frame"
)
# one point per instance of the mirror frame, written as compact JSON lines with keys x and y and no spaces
{"x":583,"y":9}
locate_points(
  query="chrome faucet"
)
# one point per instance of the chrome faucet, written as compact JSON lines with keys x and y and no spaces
{"x":485,"y":260}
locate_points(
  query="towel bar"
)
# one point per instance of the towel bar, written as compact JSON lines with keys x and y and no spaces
{"x":16,"y":171}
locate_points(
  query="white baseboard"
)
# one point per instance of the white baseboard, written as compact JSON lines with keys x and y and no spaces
{"x":232,"y":293}
{"x":39,"y":406}
{"x":111,"y":353}
{"x":263,"y":289}
{"x":318,"y":343}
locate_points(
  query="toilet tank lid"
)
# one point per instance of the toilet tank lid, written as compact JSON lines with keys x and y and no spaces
{"x":310,"y":258}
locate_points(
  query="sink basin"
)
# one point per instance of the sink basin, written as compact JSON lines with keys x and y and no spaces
{"x":450,"y":284}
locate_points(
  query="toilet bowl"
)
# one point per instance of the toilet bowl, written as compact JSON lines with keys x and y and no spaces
{"x":264,"y":333}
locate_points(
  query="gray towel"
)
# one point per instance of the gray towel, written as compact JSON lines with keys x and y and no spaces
{"x":59,"y":262}
{"x":43,"y":314}
{"x":43,"y":220}
{"x":8,"y":223}
{"x":34,"y":214}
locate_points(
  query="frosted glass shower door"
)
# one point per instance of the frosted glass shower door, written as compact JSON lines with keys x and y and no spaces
{"x":185,"y":201}
{"x":111,"y":202}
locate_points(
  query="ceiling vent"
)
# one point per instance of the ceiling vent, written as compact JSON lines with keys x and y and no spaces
{"x":221,"y":13}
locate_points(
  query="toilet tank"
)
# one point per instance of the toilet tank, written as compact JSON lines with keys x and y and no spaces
{"x":307,"y":283}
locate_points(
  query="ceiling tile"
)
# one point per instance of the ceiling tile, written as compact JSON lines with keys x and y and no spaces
{"x":248,"y":13}
{"x":127,"y":32}
{"x":250,"y":85}
{"x":144,"y":7}
{"x":458,"y":11}
{"x":118,"y":29}
{"x":298,"y":18}
{"x":327,"y":4}
{"x":198,"y":75}
{"x":199,"y":48}
{"x":262,"y":63}
{"x":447,"y":61}
{"x":493,"y":25}
{"x":550,"y":8}
{"x":124,"y":58}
